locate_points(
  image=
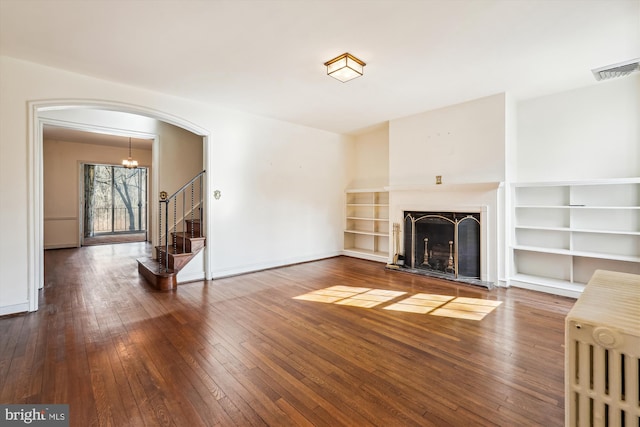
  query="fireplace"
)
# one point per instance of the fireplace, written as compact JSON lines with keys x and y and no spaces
{"x":478,"y":238}
{"x":443,"y":244}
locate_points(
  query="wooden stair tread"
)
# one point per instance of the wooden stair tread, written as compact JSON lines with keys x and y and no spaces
{"x":175,"y":252}
{"x":194,"y":226}
{"x":156,"y":275}
{"x":186,"y":247}
{"x":187,"y":235}
{"x":189,"y":244}
{"x":154,"y":266}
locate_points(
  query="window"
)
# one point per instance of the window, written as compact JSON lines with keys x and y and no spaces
{"x":115,"y":200}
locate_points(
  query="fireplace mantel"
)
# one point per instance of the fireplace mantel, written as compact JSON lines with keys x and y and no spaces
{"x":463,"y":186}
{"x":476,"y":197}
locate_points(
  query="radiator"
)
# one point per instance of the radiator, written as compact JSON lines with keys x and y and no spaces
{"x":602,"y":353}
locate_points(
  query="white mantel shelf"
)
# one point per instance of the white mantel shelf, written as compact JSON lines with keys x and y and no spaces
{"x":611,"y":181}
{"x":467,"y":186}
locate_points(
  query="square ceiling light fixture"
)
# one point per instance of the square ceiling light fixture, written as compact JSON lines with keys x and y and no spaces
{"x":345,"y":67}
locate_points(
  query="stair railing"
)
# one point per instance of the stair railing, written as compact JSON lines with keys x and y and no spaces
{"x":174,"y":225}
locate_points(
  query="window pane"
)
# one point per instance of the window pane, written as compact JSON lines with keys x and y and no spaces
{"x":115,"y":199}
{"x":102,"y":200}
{"x":129,"y":199}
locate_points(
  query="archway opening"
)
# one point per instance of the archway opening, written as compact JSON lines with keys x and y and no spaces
{"x":106,"y":118}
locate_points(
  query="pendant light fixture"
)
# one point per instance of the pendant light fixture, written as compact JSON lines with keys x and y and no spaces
{"x":130,"y":163}
{"x":345,"y":67}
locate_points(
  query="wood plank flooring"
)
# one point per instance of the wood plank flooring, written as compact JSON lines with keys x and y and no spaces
{"x":109,"y":239}
{"x":242,"y":351}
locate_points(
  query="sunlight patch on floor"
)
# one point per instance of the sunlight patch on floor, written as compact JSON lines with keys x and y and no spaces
{"x":420,"y":303}
{"x":332,"y":294}
{"x":467,"y":308}
{"x":436,"y":305}
{"x":371,"y":298}
{"x":353,"y":296}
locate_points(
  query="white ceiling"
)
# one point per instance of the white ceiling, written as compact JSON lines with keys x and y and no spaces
{"x":58,"y":133}
{"x":266,"y":57}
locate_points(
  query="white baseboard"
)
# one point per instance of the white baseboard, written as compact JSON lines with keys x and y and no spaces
{"x":252,"y":268}
{"x":14,"y":308}
{"x":364,"y":255}
{"x":191,"y":276}
{"x":62,"y":246}
{"x":546,"y":288}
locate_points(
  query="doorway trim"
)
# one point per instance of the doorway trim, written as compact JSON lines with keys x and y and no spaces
{"x":82,"y":201}
{"x":102,"y":130}
{"x":35,"y":215}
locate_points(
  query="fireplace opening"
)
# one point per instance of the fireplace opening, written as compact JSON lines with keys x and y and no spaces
{"x":443,"y":244}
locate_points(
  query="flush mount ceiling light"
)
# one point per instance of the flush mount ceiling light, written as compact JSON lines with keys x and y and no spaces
{"x":130,"y":163}
{"x":616,"y":70}
{"x":345,"y":67}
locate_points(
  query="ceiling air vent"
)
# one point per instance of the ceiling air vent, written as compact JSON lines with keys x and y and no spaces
{"x":616,"y":70}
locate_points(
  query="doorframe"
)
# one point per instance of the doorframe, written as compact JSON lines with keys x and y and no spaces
{"x":106,"y":130}
{"x":35,"y":215}
{"x":82,"y":200}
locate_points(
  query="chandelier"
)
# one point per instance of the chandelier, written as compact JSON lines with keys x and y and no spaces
{"x":129,"y":163}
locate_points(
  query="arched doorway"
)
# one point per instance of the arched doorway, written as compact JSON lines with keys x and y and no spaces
{"x":37,"y":111}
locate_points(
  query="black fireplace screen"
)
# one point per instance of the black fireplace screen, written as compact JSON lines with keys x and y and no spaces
{"x":447,"y":242}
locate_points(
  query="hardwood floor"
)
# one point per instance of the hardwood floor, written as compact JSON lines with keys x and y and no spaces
{"x":242,"y":351}
{"x":109,"y":239}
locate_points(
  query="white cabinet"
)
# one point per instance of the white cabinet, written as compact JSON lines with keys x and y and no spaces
{"x":366,"y":232}
{"x":562,"y":232}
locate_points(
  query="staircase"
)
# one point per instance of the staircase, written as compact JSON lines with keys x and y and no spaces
{"x":175,"y":258}
{"x":180,"y":239}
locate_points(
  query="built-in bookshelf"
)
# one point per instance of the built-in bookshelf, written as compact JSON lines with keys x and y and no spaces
{"x":366,"y":232}
{"x":563,"y":231}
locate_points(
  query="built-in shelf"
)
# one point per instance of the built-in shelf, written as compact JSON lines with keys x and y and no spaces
{"x":584,"y":254}
{"x":562,"y":232}
{"x":548,"y":285}
{"x":578,"y":207}
{"x":366,"y":231}
{"x":366,"y":254}
{"x":577,"y":230}
{"x":369,"y":233}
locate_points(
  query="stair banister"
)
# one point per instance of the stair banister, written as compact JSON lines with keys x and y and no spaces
{"x":164,"y":242}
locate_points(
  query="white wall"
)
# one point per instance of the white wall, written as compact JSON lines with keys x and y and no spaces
{"x":587,"y":133}
{"x":282,"y":194}
{"x":464,"y":143}
{"x":371,"y":159}
{"x":282,"y":184}
{"x":179,"y":157}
